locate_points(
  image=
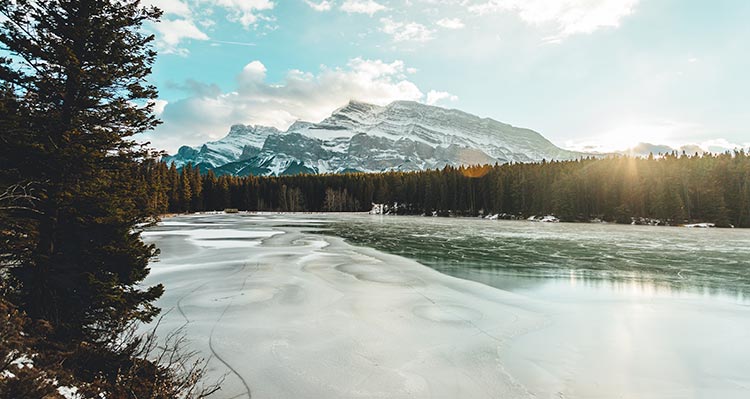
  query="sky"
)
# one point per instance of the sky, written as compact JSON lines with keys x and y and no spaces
{"x":594,"y":75}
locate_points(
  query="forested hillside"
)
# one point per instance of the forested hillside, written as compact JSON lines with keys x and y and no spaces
{"x":673,"y":188}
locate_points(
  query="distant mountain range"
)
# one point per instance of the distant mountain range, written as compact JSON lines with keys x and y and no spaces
{"x":644,"y":149}
{"x":401,"y":136}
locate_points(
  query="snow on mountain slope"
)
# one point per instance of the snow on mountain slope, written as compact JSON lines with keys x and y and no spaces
{"x":403,"y":135}
{"x":242,"y":141}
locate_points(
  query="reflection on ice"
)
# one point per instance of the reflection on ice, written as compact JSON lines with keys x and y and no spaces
{"x":579,"y":284}
{"x":498,"y":253}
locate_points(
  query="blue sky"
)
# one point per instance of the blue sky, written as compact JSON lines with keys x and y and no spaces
{"x":587,"y":74}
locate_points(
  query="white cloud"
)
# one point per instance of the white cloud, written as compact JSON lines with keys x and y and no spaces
{"x":721,"y":145}
{"x":434,"y":96}
{"x":208,"y":112}
{"x":252,"y":73}
{"x":324,"y":5}
{"x":451,"y":23}
{"x":159,"y":105}
{"x":176,"y":26}
{"x":171,"y":33}
{"x":246,"y":12}
{"x":362,"y":6}
{"x":406,"y":31}
{"x":570,"y":16}
{"x":170,"y":7}
{"x":180,"y":22}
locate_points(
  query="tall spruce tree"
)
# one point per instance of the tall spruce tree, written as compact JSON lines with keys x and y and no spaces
{"x":74,"y":93}
{"x":78,"y":69}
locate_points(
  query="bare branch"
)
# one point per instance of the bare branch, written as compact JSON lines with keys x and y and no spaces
{"x":19,"y":197}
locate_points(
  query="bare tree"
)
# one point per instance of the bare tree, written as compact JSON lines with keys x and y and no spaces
{"x":171,"y":368}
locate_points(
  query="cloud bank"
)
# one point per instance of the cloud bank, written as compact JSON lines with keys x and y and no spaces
{"x":207,"y":113}
{"x":570,"y":16}
{"x":403,"y":21}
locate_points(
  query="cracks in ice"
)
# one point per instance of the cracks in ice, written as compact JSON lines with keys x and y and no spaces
{"x":211,"y":335}
{"x":210,"y":338}
{"x":179,"y":302}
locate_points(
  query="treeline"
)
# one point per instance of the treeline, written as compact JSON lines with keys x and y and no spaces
{"x":674,"y":188}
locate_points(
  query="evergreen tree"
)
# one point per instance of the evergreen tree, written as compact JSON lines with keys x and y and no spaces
{"x":185,"y":195}
{"x":84,"y":64}
{"x":196,"y":189}
{"x":75,"y":81}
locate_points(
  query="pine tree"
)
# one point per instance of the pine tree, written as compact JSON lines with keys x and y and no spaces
{"x":185,"y":194}
{"x":173,"y":188}
{"x":196,"y":187}
{"x":76,"y":82}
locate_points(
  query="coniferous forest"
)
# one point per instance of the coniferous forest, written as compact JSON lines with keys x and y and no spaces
{"x":672,"y":188}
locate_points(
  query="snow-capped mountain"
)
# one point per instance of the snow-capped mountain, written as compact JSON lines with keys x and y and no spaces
{"x":403,"y":135}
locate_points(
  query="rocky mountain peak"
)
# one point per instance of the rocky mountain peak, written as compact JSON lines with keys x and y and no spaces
{"x":403,"y":135}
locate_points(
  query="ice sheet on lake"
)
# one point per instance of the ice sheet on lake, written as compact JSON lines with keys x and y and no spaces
{"x":300,"y":315}
{"x":307,"y":316}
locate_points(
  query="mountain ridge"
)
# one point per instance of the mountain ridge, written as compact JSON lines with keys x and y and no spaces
{"x":403,"y":136}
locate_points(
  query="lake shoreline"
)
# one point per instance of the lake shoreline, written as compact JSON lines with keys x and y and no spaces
{"x":696,"y":225}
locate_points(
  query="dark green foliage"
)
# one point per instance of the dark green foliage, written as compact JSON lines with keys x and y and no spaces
{"x":675,"y":189}
{"x":76,"y":67}
{"x":74,"y":187}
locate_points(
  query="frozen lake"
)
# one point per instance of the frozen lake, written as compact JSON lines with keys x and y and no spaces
{"x":342,"y":306}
